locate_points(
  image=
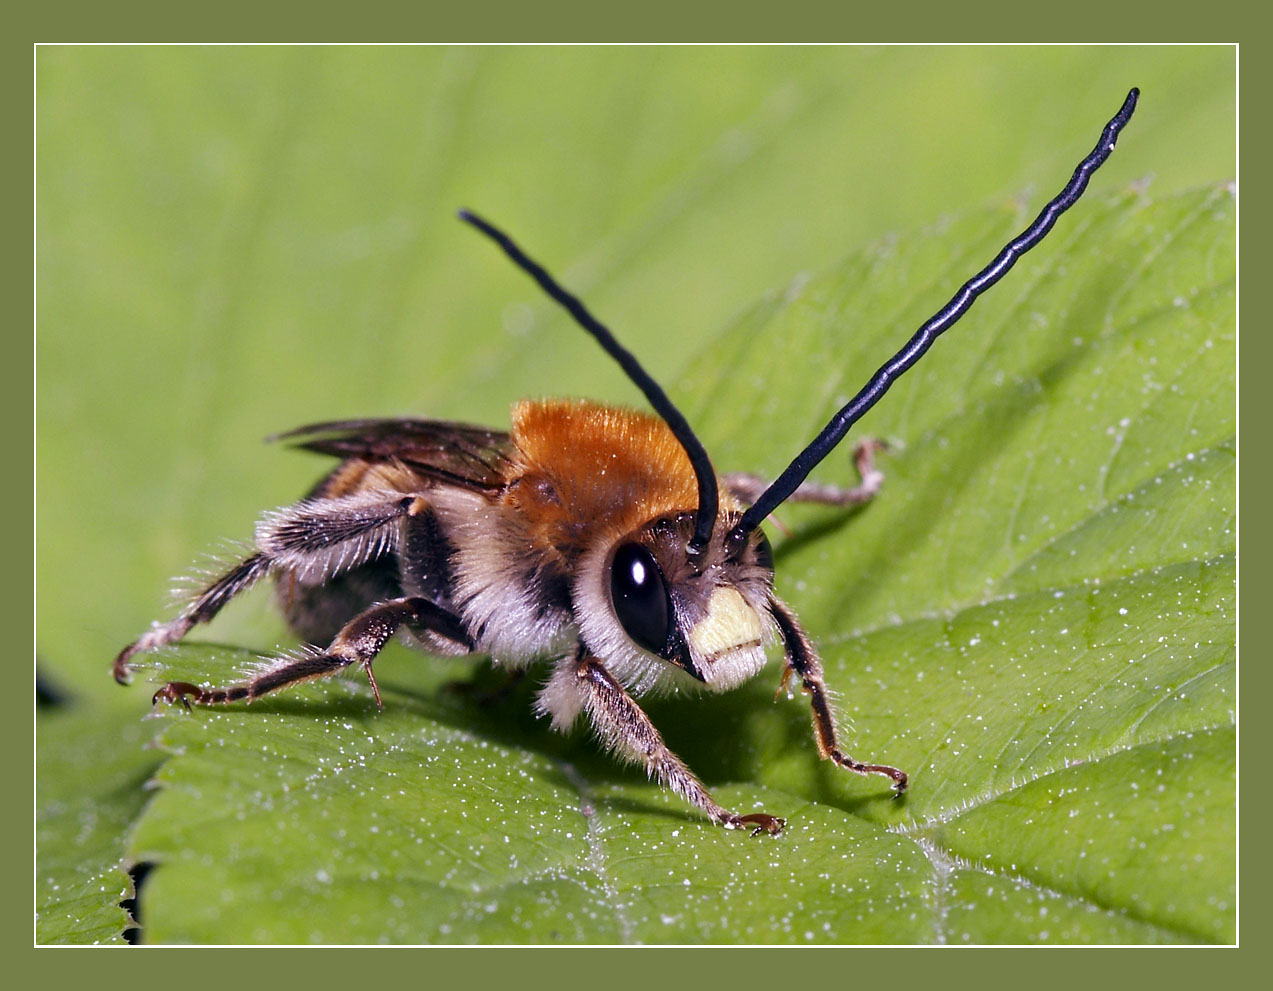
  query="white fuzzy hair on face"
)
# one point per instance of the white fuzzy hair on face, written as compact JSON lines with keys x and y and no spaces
{"x":724,"y":662}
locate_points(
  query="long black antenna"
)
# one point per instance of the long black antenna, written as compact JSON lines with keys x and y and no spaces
{"x":940,"y":322}
{"x":708,"y":497}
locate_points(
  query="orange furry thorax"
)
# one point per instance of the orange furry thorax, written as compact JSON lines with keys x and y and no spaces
{"x":586,"y":466}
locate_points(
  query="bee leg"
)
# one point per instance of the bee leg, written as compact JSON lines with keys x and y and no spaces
{"x":747,"y":488}
{"x":324,"y":537}
{"x":626,"y":731}
{"x":361,"y":639}
{"x":803,"y":662}
{"x":202,"y":608}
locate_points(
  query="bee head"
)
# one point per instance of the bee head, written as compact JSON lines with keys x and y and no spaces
{"x":653,"y":609}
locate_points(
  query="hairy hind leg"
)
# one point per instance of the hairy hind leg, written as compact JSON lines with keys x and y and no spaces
{"x":361,"y":639}
{"x":321,"y":538}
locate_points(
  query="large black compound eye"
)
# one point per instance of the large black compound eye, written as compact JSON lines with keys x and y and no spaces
{"x":640,"y":597}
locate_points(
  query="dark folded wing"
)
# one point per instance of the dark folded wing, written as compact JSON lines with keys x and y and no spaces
{"x":474,"y":457}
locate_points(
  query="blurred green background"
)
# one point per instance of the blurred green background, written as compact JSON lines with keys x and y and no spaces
{"x":235,"y":241}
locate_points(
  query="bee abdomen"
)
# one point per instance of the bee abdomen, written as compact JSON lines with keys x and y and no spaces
{"x":317,"y":612}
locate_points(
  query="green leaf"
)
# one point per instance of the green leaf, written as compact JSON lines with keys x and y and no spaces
{"x":1035,"y":618}
{"x":316,"y":819}
{"x":89,"y":791}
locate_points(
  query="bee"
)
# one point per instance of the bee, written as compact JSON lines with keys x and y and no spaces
{"x":597,"y":539}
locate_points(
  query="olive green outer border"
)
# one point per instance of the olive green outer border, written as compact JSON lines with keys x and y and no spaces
{"x":654,"y":20}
